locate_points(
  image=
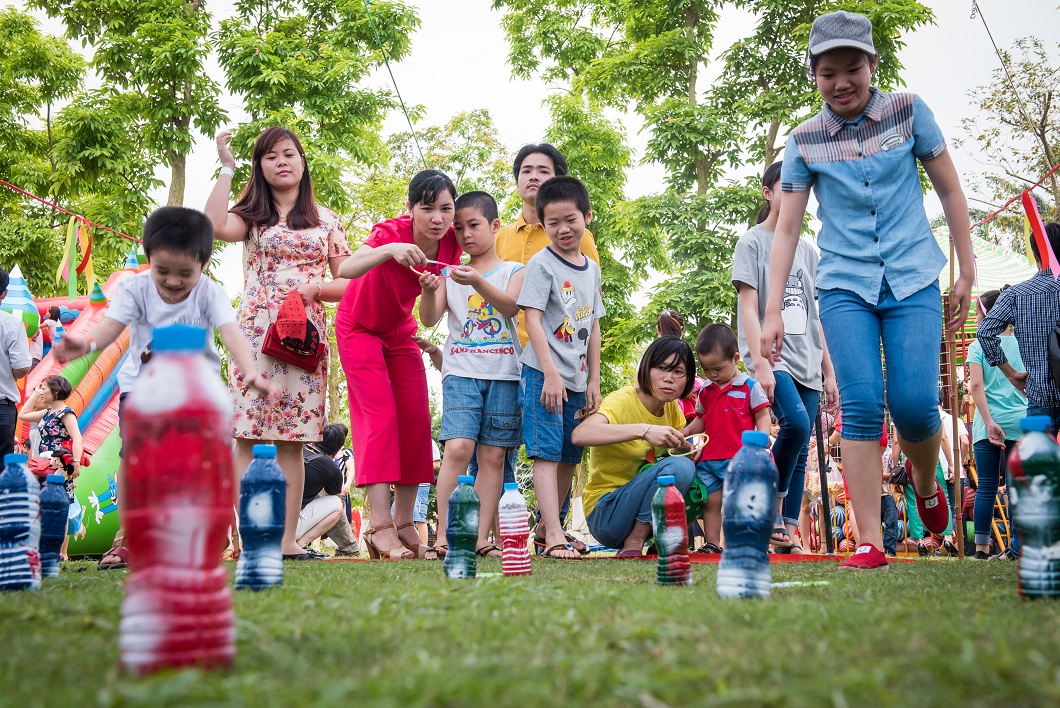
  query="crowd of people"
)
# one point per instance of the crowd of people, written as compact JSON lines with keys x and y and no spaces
{"x":521,"y":362}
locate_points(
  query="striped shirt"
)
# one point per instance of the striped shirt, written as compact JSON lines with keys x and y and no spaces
{"x":864,"y":174}
{"x":1032,"y":308}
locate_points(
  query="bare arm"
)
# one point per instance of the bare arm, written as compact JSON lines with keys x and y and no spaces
{"x":237,"y":345}
{"x":433,"y":301}
{"x":696,"y":427}
{"x":366,"y":257}
{"x":752,"y":329}
{"x":785,"y":243}
{"x":19,"y":373}
{"x":831,"y":388}
{"x":226,"y":225}
{"x":592,"y":360}
{"x":29,"y":411}
{"x":503,"y":300}
{"x":103,"y":334}
{"x":596,"y":431}
{"x":762,"y":419}
{"x":553,"y":393}
{"x":70,"y":421}
{"x":947,"y":184}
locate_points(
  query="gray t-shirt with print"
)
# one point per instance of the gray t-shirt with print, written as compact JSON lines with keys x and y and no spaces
{"x":803,"y":346}
{"x":569,"y":297}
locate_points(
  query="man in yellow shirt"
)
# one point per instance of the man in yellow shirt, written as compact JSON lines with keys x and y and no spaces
{"x":534,"y":165}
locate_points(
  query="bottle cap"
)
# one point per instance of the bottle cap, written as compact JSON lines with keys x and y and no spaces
{"x":15,"y":458}
{"x":465,"y":479}
{"x":56,"y":478}
{"x":178,"y":338}
{"x":511,"y":486}
{"x":266,"y":451}
{"x":756,"y":438}
{"x":665,"y":480}
{"x":1035,"y":423}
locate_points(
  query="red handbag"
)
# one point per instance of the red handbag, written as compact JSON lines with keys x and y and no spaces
{"x":292,"y":338}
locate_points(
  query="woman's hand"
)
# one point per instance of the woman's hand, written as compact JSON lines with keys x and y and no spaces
{"x":764,"y":376}
{"x":224,"y":152}
{"x":995,"y":434}
{"x":772,"y":337}
{"x":465,"y":275}
{"x":310,"y":293}
{"x":429,"y":281}
{"x":664,"y":436}
{"x":407,"y":254}
{"x":831,"y":394}
{"x":960,"y":299}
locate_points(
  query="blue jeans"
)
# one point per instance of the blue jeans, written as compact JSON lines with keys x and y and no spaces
{"x":615,"y":513}
{"x":481,"y":410}
{"x":991,"y":464}
{"x":889,"y":516}
{"x":795,"y":406}
{"x":911,"y":330}
{"x":1053,"y":413}
{"x":8,"y":423}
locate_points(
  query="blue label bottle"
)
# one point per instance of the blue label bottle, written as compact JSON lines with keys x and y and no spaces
{"x":1034,"y":496}
{"x":262,"y":501}
{"x":748,"y":508}
{"x":54,"y":510}
{"x":19,"y":526}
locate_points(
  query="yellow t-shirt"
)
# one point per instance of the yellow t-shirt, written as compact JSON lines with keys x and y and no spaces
{"x":521,"y":241}
{"x":611,"y":466}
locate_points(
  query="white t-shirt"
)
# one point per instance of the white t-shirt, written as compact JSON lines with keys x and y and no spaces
{"x":14,"y":354}
{"x":482,"y":343}
{"x":136,"y":303}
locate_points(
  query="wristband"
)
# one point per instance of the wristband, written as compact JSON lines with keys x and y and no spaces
{"x":643,"y":436}
{"x":227,"y":171}
{"x":320,"y":290}
{"x":91,"y":344}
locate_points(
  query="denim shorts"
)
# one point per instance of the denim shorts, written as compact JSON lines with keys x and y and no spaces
{"x":712,"y":473}
{"x":481,"y":410}
{"x":423,"y":495}
{"x":547,"y":435}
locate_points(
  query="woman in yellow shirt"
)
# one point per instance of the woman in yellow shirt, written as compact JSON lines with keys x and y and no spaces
{"x":628,"y":425}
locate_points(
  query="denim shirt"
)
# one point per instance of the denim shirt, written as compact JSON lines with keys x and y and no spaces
{"x":864,"y":175}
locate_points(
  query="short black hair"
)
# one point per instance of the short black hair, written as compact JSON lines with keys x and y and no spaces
{"x":179,"y":230}
{"x":661,"y":351}
{"x":562,"y":189}
{"x":333,"y":437}
{"x":482,"y":202}
{"x":717,"y":338}
{"x":4,"y":280}
{"x":1052,"y":232}
{"x":54,"y":313}
{"x":427,"y":185}
{"x":559,"y":163}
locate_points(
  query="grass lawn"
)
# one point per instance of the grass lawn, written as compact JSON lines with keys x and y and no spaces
{"x":601,"y":632}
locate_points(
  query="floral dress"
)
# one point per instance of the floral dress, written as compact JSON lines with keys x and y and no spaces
{"x":53,"y":434}
{"x":277,"y":260}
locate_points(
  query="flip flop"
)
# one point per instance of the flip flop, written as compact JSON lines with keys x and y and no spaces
{"x":629,"y":553}
{"x":572,"y":540}
{"x":116,"y":550}
{"x":490,"y":551}
{"x":709,"y":548}
{"x":551,"y":552}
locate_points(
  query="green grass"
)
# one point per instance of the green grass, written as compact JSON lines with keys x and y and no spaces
{"x":597,"y":633}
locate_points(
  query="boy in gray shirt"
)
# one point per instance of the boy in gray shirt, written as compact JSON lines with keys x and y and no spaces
{"x":560,"y":379}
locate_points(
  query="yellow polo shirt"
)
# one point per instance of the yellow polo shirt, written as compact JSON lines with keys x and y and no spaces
{"x":521,"y":241}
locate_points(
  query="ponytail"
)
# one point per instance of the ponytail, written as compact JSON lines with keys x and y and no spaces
{"x":769,"y":179}
{"x":671,"y":323}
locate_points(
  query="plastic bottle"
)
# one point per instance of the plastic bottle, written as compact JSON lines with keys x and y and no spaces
{"x":262,"y":499}
{"x":670,"y":529}
{"x":176,"y":508}
{"x":19,"y":525}
{"x":514,"y":530}
{"x":54,"y":510}
{"x":1034,"y":496}
{"x":748,"y":508}
{"x":461,"y":529}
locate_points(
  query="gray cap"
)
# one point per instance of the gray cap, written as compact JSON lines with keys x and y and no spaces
{"x":841,"y":29}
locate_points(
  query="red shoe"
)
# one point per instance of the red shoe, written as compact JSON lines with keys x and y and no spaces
{"x":934,"y":511}
{"x":867,"y":557}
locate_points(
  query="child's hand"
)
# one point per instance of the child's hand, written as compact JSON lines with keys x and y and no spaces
{"x":429,"y":281}
{"x":465,"y":275}
{"x":407,"y":254}
{"x":431,"y":349}
{"x":553,"y":394}
{"x":592,"y":398}
{"x":69,"y":348}
{"x":269,"y":389}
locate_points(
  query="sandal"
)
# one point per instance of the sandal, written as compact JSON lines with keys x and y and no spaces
{"x":780,"y":530}
{"x":490,"y":551}
{"x":441,"y":550}
{"x":794,"y":549}
{"x":628,"y":553}
{"x":230,"y":554}
{"x":572,"y":541}
{"x":551,"y":552}
{"x":399,"y":553}
{"x":420,"y":550}
{"x":116,"y":550}
{"x":709,"y":548}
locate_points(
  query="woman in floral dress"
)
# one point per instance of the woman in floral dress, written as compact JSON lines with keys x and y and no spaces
{"x":289,"y":244}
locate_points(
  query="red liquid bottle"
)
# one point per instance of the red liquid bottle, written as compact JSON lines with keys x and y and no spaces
{"x":177,"y":503}
{"x":670,"y":530}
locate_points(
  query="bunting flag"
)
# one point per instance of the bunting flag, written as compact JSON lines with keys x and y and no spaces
{"x":19,"y":302}
{"x":1045,"y":249}
{"x":1027,"y":240}
{"x":84,"y":239}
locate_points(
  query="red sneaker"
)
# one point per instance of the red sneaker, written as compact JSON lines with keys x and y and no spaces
{"x":934,"y":510}
{"x":867,"y":557}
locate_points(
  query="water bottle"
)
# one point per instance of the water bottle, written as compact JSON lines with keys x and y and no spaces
{"x":176,"y":508}
{"x":54,"y":511}
{"x":670,"y":529}
{"x":461,"y":529}
{"x":748,"y":508}
{"x":514,"y":530}
{"x":19,"y":525}
{"x":1034,"y":497}
{"x":262,"y":500}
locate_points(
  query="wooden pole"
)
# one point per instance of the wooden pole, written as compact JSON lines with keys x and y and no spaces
{"x":956,"y":490}
{"x":825,"y":514}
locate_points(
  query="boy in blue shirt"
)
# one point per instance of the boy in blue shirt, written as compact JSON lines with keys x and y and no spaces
{"x":560,"y":380}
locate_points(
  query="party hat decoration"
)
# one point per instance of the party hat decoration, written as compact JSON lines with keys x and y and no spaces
{"x":19,"y":302}
{"x":97,"y":297}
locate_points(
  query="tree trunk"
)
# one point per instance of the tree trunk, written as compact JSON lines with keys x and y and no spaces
{"x":179,"y":165}
{"x":334,"y":377}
